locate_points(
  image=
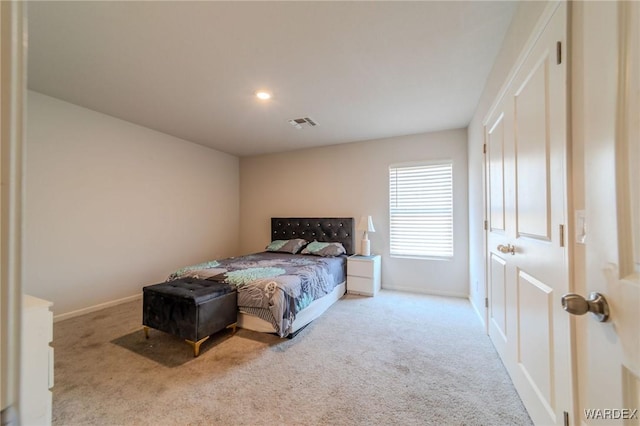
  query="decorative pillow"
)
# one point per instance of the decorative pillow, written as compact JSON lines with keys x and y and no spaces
{"x":324,"y":249}
{"x":287,"y":246}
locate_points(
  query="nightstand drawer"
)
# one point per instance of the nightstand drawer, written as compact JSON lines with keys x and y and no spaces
{"x":360,"y":269}
{"x":359,"y":285}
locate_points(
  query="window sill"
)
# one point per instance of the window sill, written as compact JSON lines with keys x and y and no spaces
{"x":441,"y":258}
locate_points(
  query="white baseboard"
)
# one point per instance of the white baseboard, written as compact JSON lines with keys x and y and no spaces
{"x":423,"y":291}
{"x":94,"y":308}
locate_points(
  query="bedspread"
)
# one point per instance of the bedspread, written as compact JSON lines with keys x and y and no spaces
{"x":274,"y":286}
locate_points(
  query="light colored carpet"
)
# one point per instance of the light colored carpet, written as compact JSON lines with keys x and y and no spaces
{"x":396,"y":359}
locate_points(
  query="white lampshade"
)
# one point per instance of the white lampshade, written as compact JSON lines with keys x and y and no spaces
{"x":365,"y":224}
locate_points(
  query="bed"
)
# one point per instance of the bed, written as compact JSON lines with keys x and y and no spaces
{"x":282,"y":290}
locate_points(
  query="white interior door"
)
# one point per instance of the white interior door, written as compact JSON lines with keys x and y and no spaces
{"x":526,"y":137}
{"x":498,"y":157}
{"x":607,"y":126}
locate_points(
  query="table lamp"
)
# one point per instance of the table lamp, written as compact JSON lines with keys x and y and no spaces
{"x":365,"y":224}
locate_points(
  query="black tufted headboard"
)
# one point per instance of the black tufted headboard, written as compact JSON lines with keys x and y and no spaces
{"x":338,"y":229}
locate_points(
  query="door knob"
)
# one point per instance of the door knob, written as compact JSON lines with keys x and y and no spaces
{"x":507,"y":249}
{"x":578,"y":305}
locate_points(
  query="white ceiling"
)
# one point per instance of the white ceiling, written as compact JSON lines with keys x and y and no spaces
{"x":362,"y":70}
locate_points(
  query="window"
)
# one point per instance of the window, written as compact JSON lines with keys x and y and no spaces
{"x":421,"y":209}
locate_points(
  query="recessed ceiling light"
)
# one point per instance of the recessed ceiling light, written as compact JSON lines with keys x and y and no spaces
{"x":261,"y":94}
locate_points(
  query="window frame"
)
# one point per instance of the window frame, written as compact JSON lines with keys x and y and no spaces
{"x":425,"y":163}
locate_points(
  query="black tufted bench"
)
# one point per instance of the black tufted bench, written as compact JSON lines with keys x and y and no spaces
{"x":189,"y":308}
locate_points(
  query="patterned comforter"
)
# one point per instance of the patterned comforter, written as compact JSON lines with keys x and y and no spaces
{"x":273,"y":286}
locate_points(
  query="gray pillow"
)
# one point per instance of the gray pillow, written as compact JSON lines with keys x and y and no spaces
{"x":287,"y":246}
{"x":324,"y":249}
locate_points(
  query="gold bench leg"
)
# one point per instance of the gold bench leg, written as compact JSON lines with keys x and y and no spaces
{"x":196,"y":345}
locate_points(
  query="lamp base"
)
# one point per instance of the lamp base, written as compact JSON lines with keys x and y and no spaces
{"x":365,"y":247}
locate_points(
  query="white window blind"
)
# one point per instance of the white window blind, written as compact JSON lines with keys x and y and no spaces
{"x":421,"y":210}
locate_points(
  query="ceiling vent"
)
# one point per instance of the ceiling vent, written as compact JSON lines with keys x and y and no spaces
{"x":306,"y":121}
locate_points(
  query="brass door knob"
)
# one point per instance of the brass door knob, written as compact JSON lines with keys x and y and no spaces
{"x":578,"y":305}
{"x":507,"y":249}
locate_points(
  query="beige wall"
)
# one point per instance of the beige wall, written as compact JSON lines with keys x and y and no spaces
{"x":112,"y":206}
{"x":519,"y":31}
{"x":353,"y":180}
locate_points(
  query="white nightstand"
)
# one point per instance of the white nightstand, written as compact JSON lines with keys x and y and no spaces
{"x":36,"y":378}
{"x":363,"y":274}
